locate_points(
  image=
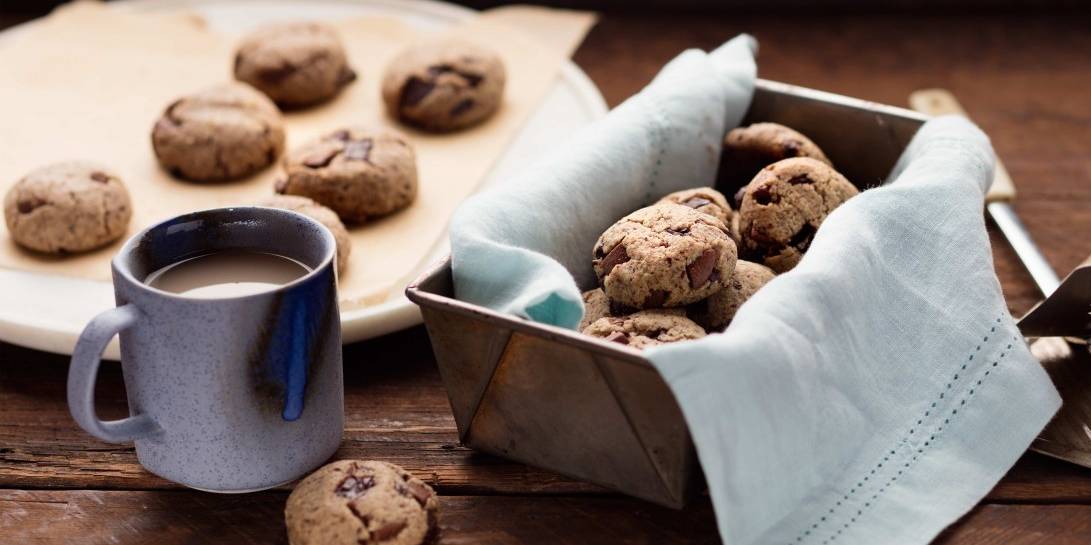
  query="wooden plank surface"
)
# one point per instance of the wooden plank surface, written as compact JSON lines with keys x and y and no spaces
{"x":394,"y":412}
{"x":1024,"y":78}
{"x":41,"y":516}
{"x":190,"y":517}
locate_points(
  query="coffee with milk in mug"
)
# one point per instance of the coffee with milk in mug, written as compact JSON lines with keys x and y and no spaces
{"x":231,"y":273}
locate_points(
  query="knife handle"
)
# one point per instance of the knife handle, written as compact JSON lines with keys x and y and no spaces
{"x":942,"y":102}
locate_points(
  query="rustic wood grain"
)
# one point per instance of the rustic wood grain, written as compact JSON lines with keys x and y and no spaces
{"x":1022,"y":77}
{"x":1021,"y":525}
{"x":193,"y":517}
{"x":395,"y":410}
{"x":183,"y":517}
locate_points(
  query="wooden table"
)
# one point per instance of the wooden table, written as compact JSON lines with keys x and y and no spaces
{"x":1024,"y":78}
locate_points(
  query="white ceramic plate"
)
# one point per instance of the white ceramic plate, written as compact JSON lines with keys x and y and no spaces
{"x":48,"y":312}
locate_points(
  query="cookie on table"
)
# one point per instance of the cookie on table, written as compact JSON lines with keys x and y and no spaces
{"x":294,"y":64}
{"x":322,"y":215}
{"x":665,"y":255}
{"x":747,"y":150}
{"x":703,"y":199}
{"x":358,"y":172}
{"x":717,"y":311}
{"x":352,"y":502}
{"x":67,"y":207}
{"x":222,"y":133}
{"x":784,"y":205}
{"x":645,"y":328}
{"x":444,"y":86}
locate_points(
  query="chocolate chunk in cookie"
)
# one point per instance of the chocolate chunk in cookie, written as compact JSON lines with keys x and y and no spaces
{"x":222,"y":133}
{"x":357,"y":172}
{"x":67,"y":207}
{"x":717,"y":311}
{"x":747,"y":150}
{"x":645,"y":328}
{"x":665,"y":255}
{"x":783,"y":207}
{"x":353,"y":502}
{"x":295,"y":64}
{"x":703,"y":199}
{"x":322,"y":215}
{"x":444,"y":86}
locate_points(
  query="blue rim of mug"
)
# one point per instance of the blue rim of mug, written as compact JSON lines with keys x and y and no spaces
{"x":131,"y":244}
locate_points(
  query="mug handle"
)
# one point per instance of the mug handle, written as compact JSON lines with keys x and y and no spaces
{"x":84,"y":369}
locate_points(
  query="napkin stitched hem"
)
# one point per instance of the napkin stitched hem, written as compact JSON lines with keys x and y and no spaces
{"x":904,"y":458}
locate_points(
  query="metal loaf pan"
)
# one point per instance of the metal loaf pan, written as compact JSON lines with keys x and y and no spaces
{"x":599,"y":411}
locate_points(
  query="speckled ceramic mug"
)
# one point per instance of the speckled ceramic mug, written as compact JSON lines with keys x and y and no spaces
{"x":229,"y":394}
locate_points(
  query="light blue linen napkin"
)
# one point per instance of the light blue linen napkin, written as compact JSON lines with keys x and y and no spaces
{"x":880,"y":389}
{"x":873,"y":394}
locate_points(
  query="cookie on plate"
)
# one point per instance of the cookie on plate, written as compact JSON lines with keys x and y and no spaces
{"x":352,"y":502}
{"x":357,"y":172}
{"x":322,"y":215}
{"x":444,"y":86}
{"x":783,"y":207}
{"x":703,"y":199}
{"x":665,"y":255}
{"x":717,"y":311}
{"x":747,"y":150}
{"x":67,"y":207}
{"x":295,"y":64}
{"x":222,"y":133}
{"x":645,"y":328}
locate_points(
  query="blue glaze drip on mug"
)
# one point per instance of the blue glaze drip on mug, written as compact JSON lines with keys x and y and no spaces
{"x":295,"y":336}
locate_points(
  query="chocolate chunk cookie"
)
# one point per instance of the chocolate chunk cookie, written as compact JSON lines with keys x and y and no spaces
{"x":444,"y":86}
{"x":734,"y":228}
{"x":717,"y":311}
{"x":358,"y":172}
{"x":595,"y":306}
{"x":295,"y":64}
{"x":665,"y":255}
{"x":783,"y":207}
{"x":747,"y":150}
{"x":67,"y":207}
{"x":645,"y":328}
{"x":322,"y":215}
{"x":352,"y":502}
{"x":228,"y":131}
{"x":705,"y":200}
